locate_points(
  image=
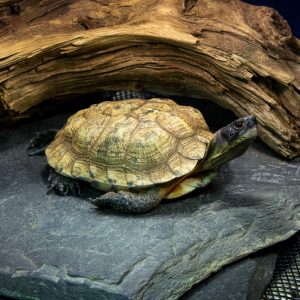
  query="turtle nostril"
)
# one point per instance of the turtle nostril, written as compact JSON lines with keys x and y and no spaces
{"x":251,"y":121}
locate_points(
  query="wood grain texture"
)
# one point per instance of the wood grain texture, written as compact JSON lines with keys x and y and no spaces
{"x":241,"y":56}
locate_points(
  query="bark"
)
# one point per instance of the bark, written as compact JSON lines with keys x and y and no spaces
{"x":241,"y":56}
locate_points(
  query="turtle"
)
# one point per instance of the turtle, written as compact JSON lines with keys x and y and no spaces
{"x":139,"y":152}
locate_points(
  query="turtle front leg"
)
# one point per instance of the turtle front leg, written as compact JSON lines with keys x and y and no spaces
{"x":41,"y":140}
{"x":62,"y":185}
{"x":130,"y":202}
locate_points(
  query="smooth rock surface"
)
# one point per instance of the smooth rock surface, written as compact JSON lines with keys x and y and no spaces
{"x":54,"y":246}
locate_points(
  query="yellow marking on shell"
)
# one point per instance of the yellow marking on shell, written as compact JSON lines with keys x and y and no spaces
{"x":105,"y":108}
{"x":110,"y":150}
{"x":180,"y":165}
{"x":74,"y":123}
{"x":122,"y":107}
{"x":92,"y":114}
{"x":98,"y":173}
{"x":150,"y":114}
{"x":161,"y":173}
{"x":111,"y":146}
{"x":140,"y":179}
{"x":116,"y":177}
{"x":55,"y":151}
{"x":64,"y":165}
{"x":179,"y":125}
{"x":204,"y":136}
{"x":150,"y":110}
{"x":88,"y":132}
{"x":195,"y":115}
{"x":149,"y":147}
{"x":192,"y":148}
{"x":80,"y":169}
{"x":97,"y":126}
{"x":85,"y":137}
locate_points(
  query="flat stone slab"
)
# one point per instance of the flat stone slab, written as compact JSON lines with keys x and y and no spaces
{"x":62,"y":247}
{"x":243,"y":280}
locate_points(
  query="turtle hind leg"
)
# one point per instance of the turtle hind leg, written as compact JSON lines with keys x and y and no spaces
{"x":130,"y":202}
{"x":63,"y":185}
{"x":40,"y":141}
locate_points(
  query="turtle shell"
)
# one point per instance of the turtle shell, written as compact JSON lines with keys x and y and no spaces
{"x":130,"y":143}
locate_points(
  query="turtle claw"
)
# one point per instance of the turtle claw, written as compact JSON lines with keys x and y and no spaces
{"x":75,"y":189}
{"x":62,"y":185}
{"x":40,"y":141}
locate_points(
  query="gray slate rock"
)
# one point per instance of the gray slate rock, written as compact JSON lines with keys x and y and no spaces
{"x":54,"y":246}
{"x":243,"y":280}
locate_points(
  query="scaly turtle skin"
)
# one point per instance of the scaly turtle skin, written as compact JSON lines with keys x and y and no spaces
{"x":142,"y":151}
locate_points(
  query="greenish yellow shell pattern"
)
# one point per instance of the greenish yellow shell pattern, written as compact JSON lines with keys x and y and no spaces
{"x":130,"y":143}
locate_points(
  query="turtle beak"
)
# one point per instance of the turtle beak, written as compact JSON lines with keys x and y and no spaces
{"x":251,"y":122}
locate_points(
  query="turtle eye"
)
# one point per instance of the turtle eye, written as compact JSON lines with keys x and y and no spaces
{"x":238,"y":125}
{"x":229,"y":133}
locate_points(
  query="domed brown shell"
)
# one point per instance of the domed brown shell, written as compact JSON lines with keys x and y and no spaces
{"x":130,"y":143}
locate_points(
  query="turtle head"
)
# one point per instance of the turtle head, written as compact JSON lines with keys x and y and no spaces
{"x":230,"y":142}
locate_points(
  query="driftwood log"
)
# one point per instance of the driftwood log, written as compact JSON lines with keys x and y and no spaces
{"x":241,"y":56}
